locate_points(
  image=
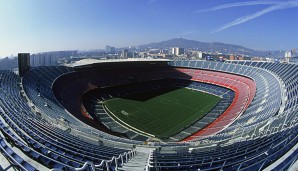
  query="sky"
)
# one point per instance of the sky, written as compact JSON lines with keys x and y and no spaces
{"x":39,"y":26}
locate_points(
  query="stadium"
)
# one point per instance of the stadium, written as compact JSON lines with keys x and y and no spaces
{"x":151,"y":115}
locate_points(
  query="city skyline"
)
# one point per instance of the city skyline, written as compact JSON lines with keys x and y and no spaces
{"x":34,"y":26}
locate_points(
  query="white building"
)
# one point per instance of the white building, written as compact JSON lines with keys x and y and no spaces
{"x":288,"y":54}
{"x":177,"y":51}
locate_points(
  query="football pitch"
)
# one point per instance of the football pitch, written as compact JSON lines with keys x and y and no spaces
{"x":163,"y":112}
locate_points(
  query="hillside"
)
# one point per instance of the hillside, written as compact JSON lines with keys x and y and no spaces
{"x":212,"y":47}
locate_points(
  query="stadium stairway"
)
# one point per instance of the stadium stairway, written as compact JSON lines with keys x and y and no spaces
{"x":137,"y":163}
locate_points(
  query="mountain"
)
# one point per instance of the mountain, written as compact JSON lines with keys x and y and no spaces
{"x":212,"y":47}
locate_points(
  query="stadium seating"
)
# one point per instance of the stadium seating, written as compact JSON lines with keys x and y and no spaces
{"x":244,"y":92}
{"x":280,"y":134}
{"x":267,"y":91}
{"x":49,"y":145}
{"x":253,"y":127}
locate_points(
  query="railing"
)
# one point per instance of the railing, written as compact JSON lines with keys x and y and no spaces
{"x":149,"y":160}
{"x":124,"y":158}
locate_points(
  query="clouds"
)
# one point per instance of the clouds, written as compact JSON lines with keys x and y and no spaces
{"x":275,"y":5}
{"x":238,"y":4}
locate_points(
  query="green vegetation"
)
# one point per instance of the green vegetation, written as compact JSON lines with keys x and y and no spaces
{"x":162,"y":112}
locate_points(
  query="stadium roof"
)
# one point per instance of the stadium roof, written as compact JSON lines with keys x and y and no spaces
{"x":89,"y":61}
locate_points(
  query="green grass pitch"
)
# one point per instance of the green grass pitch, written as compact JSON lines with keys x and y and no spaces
{"x":162,"y":112}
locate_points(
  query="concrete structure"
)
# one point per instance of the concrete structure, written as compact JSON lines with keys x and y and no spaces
{"x":24,"y":63}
